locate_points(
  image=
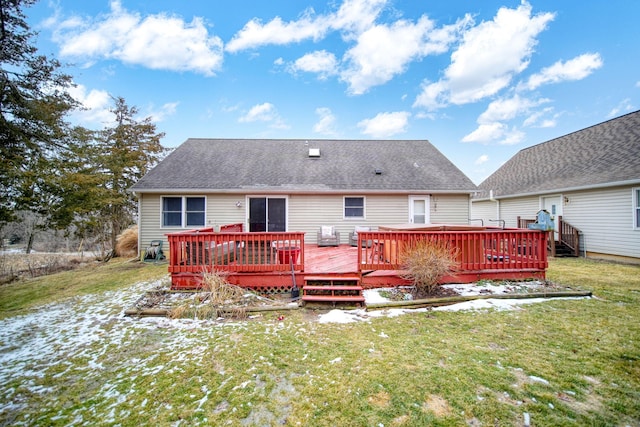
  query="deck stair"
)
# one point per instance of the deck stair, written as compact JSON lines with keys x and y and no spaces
{"x":563,"y":250}
{"x":332,"y":289}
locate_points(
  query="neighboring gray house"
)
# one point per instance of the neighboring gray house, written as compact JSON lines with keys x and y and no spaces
{"x":300,"y":185}
{"x":590,"y":177}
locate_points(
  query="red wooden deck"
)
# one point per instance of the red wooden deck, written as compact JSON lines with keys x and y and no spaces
{"x":264,"y":261}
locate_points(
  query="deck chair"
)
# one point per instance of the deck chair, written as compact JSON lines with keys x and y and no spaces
{"x":328,"y":236}
{"x":353,"y":236}
{"x":154,"y":253}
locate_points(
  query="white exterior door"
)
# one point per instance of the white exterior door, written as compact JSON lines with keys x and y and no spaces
{"x":419,"y":210}
{"x":553,"y":205}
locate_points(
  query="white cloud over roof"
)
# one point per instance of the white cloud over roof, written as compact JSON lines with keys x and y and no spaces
{"x":156,"y":41}
{"x":385,"y":125}
{"x":488,"y":57}
{"x":574,"y":69}
{"x":325,"y":124}
{"x":383,"y":51}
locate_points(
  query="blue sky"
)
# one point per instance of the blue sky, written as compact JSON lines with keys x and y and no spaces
{"x":479,"y":79}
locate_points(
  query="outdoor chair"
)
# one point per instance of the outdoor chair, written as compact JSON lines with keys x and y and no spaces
{"x":154,"y":252}
{"x":353,"y":236}
{"x":328,"y":236}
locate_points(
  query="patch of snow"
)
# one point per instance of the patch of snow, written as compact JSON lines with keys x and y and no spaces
{"x":373,"y":296}
{"x":538,"y":380}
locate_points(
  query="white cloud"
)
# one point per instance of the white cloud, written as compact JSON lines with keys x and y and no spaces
{"x":155,"y":41}
{"x":506,"y":109}
{"x":490,"y":54}
{"x":545,"y":118}
{"x":326,"y":123}
{"x":256,"y":34}
{"x":353,"y":16}
{"x":320,"y":62}
{"x":490,"y":132}
{"x":486,"y":133}
{"x":432,"y":96}
{"x":623,"y":107}
{"x":95,"y":105}
{"x":261,"y":112}
{"x":383,"y":51}
{"x":385,"y":125}
{"x":482,"y":159}
{"x":265,"y":112}
{"x":159,"y":115}
{"x":379,"y":53}
{"x":512,"y":137}
{"x":574,"y":69}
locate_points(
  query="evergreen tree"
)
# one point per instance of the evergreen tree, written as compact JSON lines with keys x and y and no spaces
{"x":98,"y":170}
{"x":33,"y":105}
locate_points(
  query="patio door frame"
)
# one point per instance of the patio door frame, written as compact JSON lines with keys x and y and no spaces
{"x":275,"y":216}
{"x":427,"y":208}
{"x":553,"y":205}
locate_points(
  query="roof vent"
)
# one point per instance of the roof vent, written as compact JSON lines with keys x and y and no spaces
{"x":314,"y":152}
{"x":378,"y":171}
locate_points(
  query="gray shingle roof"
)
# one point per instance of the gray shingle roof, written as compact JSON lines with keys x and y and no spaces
{"x":246,"y":165}
{"x":602,"y":154}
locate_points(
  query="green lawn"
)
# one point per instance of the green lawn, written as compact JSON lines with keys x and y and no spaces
{"x":561,"y":362}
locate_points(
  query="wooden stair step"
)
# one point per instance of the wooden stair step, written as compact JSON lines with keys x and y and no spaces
{"x":333,"y":298}
{"x":332,"y":288}
{"x":331,"y":278}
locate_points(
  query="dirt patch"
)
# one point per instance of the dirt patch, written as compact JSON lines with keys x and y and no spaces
{"x":381,"y":399}
{"x":436,"y":404}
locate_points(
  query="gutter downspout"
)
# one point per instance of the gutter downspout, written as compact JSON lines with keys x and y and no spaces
{"x":497,"y":202}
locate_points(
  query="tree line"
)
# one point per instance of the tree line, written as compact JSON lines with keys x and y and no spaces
{"x":55,"y":175}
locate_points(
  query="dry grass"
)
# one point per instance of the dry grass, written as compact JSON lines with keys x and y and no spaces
{"x":426,"y":262}
{"x":14,"y":266}
{"x":127,"y":242}
{"x":561,"y":362}
{"x":217,"y":298}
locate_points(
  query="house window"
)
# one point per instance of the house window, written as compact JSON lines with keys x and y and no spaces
{"x":183,"y":211}
{"x":354,"y":207}
{"x":636,"y":208}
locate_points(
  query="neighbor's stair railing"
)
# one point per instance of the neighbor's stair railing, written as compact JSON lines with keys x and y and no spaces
{"x":569,"y":235}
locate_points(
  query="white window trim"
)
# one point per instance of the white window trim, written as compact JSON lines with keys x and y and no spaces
{"x":354,"y":218}
{"x":183,"y":218}
{"x":427,"y":206}
{"x":635,"y":205}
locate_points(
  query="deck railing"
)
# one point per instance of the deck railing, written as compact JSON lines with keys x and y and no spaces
{"x":568,"y":236}
{"x":491,"y":249}
{"x":195,"y":251}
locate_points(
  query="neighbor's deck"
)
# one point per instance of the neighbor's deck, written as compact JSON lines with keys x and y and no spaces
{"x":270,"y":262}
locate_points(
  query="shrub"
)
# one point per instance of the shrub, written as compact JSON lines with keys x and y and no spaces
{"x":216,"y":297}
{"x":426,"y":262}
{"x":127,"y":242}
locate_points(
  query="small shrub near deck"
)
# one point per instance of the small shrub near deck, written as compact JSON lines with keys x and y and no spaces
{"x":426,"y":262}
{"x":127,"y":242}
{"x":217,"y":297}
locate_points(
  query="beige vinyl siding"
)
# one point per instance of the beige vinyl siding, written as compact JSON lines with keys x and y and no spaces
{"x":149,"y":221}
{"x":525,"y":207}
{"x":306,"y":213}
{"x":483,"y":210}
{"x":450,"y":209}
{"x":505,"y":209}
{"x":221,"y":209}
{"x":605,"y":218}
